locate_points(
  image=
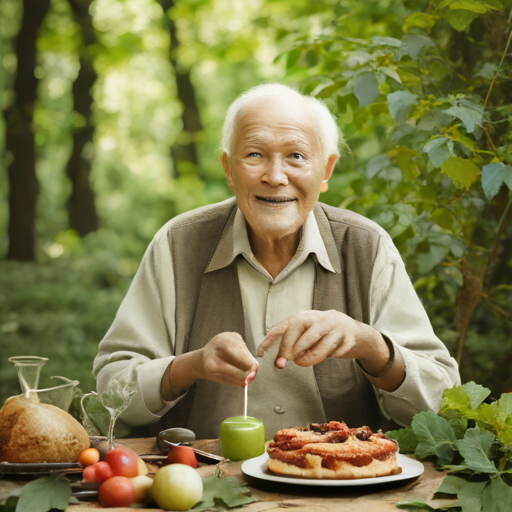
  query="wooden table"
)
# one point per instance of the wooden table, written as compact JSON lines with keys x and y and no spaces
{"x":272,"y":496}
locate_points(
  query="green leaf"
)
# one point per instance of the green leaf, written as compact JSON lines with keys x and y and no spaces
{"x":386,"y":41}
{"x":459,"y":19}
{"x":452,"y":485}
{"x":470,"y":117}
{"x":457,"y":420}
{"x":443,"y":217}
{"x":293,"y":57}
{"x":470,"y":497}
{"x":475,"y":449}
{"x":414,"y":45}
{"x":223,"y":491}
{"x":44,"y":494}
{"x":493,"y":177}
{"x":358,"y":58}
{"x":470,"y":5}
{"x":414,"y":505}
{"x":437,"y":150}
{"x":497,"y":497}
{"x":406,"y":439}
{"x":376,"y":164}
{"x":462,"y":171}
{"x":399,"y":104}
{"x":419,"y":19}
{"x":407,"y":160}
{"x":504,"y":408}
{"x":435,"y":436}
{"x":392,"y":74}
{"x":476,"y":393}
{"x":366,"y":89}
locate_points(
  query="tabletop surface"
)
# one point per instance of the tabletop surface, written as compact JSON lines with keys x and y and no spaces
{"x":276,"y":496}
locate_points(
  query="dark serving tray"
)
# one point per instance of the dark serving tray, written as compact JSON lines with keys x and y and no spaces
{"x":15,"y":468}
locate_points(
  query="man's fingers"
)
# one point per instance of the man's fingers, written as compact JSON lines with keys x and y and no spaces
{"x":324,"y":348}
{"x":275,"y":333}
{"x":287,"y":345}
{"x":306,"y":339}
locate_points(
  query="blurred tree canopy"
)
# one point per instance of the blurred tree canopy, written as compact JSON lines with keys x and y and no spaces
{"x":112,"y":121}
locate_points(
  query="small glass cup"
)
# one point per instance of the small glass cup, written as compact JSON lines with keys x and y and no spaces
{"x":242,"y":437}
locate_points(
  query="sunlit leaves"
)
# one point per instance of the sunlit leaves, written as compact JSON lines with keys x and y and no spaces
{"x":460,"y":13}
{"x":469,"y":112}
{"x":463,"y":172}
{"x":419,"y":19}
{"x":493,"y":177}
{"x":438,"y":150}
{"x":399,"y":104}
{"x":366,"y":89}
{"x":414,"y":45}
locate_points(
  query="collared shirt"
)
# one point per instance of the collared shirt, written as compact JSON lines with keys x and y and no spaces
{"x":140,"y":343}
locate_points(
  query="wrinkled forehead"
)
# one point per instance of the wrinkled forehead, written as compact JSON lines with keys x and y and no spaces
{"x":278,"y":114}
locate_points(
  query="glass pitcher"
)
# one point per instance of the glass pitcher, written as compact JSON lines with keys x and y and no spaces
{"x":29,"y":369}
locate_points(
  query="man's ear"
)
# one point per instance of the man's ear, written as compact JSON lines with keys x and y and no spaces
{"x":330,"y":166}
{"x":226,"y":167}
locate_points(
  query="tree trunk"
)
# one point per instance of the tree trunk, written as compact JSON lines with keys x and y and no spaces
{"x":184,"y":150}
{"x":23,"y":186}
{"x":81,"y":207}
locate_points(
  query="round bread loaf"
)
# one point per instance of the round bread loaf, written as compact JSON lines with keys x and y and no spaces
{"x":34,"y":432}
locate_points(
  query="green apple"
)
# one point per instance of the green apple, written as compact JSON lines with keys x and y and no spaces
{"x":177,"y":487}
{"x":142,"y":484}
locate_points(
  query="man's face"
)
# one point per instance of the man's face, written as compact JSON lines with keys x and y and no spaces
{"x":276,"y":165}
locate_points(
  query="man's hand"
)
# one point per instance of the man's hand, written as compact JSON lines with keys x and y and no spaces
{"x":310,"y":337}
{"x":224,"y":359}
{"x":227,"y":360}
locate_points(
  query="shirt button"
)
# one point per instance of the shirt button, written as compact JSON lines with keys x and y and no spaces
{"x":278,"y":409}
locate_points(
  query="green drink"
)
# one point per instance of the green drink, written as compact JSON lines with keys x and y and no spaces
{"x":242,"y":438}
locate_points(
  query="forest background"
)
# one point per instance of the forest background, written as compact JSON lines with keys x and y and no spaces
{"x":112,"y":114}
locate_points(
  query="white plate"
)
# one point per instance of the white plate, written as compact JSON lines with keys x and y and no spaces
{"x":258,"y":468}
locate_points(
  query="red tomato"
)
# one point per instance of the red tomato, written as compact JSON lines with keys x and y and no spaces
{"x":98,"y":472}
{"x":89,"y":457}
{"x":90,"y":474}
{"x":117,"y":491}
{"x":182,"y":455}
{"x":103,"y":471}
{"x":123,"y":461}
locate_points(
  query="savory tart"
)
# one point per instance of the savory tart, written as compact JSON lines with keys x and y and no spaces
{"x":332,"y":451}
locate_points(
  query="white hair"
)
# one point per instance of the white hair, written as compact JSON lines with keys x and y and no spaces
{"x":330,"y":135}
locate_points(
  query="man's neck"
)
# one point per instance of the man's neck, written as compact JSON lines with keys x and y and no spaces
{"x":274,"y":254}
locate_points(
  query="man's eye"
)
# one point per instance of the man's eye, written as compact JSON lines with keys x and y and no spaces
{"x":297,"y":156}
{"x":254,"y":154}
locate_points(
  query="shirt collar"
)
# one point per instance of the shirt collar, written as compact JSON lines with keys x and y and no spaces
{"x":234,"y":241}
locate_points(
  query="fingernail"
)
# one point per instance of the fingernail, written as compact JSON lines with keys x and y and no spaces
{"x":281,"y":362}
{"x":250,"y":378}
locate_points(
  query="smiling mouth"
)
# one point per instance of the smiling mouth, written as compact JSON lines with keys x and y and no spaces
{"x":275,"y":201}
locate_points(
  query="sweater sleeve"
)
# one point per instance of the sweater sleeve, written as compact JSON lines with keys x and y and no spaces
{"x":139,"y":345}
{"x":397,"y":312}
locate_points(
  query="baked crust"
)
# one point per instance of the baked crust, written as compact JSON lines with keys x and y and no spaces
{"x":332,"y":451}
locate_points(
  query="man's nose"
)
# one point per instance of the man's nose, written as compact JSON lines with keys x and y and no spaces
{"x":275,"y":173}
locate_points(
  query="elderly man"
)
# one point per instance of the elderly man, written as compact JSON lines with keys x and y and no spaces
{"x":310,"y":305}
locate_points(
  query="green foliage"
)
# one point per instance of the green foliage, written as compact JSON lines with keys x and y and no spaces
{"x":480,"y":455}
{"x":62,"y":308}
{"x":422,"y":107}
{"x":44,"y":494}
{"x":223,"y":491}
